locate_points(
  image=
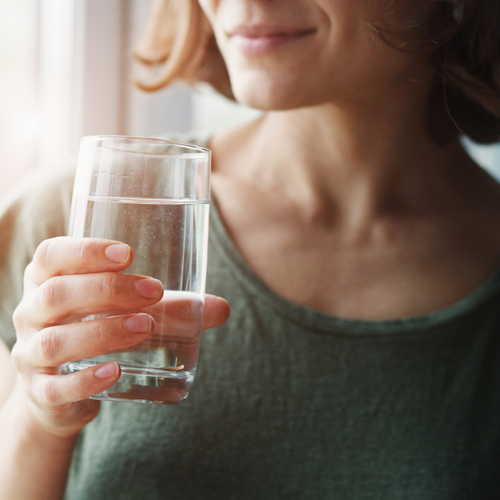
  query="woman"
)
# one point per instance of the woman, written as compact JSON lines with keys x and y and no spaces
{"x":358,"y":245}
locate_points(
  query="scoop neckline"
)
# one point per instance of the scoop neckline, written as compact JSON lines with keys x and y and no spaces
{"x":322,"y":322}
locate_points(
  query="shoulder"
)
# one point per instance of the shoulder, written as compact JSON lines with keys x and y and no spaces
{"x":38,"y":208}
{"x":41,"y":191}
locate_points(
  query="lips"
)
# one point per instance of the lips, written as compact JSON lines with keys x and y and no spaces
{"x":261,"y":39}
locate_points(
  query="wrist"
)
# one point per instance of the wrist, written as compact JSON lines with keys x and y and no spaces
{"x":25,"y":416}
{"x":28,"y":445}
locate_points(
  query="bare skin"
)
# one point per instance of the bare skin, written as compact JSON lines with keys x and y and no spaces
{"x":45,"y":411}
{"x":366,"y":241}
{"x":337,"y":198}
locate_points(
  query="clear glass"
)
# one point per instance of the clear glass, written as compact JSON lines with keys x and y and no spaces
{"x":153,"y":195}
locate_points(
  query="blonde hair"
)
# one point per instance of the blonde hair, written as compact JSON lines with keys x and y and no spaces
{"x":180,"y":45}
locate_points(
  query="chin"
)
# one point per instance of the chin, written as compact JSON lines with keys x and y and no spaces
{"x":268,"y":94}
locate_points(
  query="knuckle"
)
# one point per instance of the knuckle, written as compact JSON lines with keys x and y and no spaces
{"x":103,"y":330}
{"x":47,"y":344}
{"x":82,"y":250}
{"x":110,"y":285}
{"x":42,"y":253}
{"x":49,"y":394}
{"x":51,"y":293}
{"x":79,"y":388}
{"x":18,"y":317}
{"x":16,"y":356}
{"x":29,"y":272}
{"x":86,"y":252}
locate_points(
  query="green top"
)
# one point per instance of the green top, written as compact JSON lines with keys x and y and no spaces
{"x":292,"y":403}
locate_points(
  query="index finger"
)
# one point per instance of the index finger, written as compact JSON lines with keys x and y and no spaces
{"x":68,"y":255}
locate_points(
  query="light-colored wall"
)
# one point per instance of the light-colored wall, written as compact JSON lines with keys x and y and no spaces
{"x":18,"y":34}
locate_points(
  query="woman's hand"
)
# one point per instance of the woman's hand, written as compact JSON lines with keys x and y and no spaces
{"x":80,"y":276}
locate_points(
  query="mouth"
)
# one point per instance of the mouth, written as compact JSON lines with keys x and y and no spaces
{"x":260,"y":39}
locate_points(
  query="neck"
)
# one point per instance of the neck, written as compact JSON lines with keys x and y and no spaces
{"x":359,"y":159}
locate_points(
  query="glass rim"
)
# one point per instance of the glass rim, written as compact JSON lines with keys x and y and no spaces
{"x":194,"y":151}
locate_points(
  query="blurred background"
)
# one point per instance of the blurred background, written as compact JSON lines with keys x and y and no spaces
{"x":65,"y":68}
{"x":65,"y":71}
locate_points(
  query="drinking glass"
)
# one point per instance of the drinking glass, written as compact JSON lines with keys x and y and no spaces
{"x":153,"y":195}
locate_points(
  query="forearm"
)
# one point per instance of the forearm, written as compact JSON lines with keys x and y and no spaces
{"x":33,"y":463}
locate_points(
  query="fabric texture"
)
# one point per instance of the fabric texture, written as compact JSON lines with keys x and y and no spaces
{"x":291,"y":403}
{"x":37,"y":209}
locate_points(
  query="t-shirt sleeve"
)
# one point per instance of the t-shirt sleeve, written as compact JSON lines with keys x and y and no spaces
{"x":37,"y":210}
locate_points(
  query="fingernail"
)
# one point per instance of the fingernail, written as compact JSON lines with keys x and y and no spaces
{"x":138,"y":324}
{"x":149,"y":288}
{"x":118,"y":253}
{"x":109,"y":370}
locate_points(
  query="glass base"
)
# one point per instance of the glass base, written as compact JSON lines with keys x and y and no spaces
{"x":148,"y":386}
